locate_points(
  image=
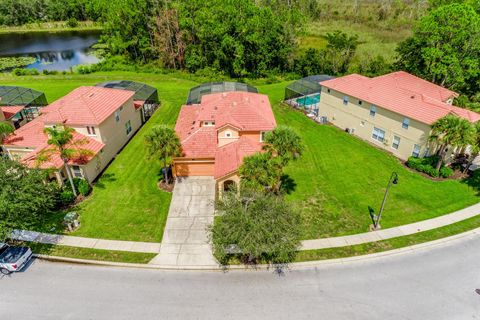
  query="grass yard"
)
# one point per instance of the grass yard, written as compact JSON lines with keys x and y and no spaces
{"x":340,"y":176}
{"x":336,"y":180}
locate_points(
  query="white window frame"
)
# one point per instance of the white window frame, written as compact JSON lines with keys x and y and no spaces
{"x":373,"y":111}
{"x":208,"y":123}
{"x":91,"y":131}
{"x":346,"y":100}
{"x":376,"y":136}
{"x":397,"y":144}
{"x":77,"y":173}
{"x":406,"y":123}
{"x":262,"y":136}
{"x":415,"y":146}
{"x":128,"y":127}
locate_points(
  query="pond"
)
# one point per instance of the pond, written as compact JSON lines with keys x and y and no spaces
{"x":53,"y":51}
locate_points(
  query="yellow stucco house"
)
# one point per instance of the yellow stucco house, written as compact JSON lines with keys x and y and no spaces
{"x":393,"y":111}
{"x":104,"y":120}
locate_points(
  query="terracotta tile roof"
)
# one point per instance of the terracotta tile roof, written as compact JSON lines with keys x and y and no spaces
{"x":10,"y":111}
{"x":230,"y":157}
{"x":31,"y":136}
{"x":201,"y":144}
{"x":138,"y":104}
{"x":402,"y":93}
{"x":86,"y":106}
{"x":244,"y":110}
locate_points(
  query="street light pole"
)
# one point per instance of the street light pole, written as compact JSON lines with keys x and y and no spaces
{"x":393,"y":180}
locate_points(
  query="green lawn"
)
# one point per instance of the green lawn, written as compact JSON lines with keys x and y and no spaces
{"x":337,"y":179}
{"x":339,"y":176}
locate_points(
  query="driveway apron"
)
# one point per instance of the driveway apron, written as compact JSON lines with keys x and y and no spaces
{"x":185,"y":239}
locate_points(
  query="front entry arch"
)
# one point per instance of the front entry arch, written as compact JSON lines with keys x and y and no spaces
{"x":229,"y":185}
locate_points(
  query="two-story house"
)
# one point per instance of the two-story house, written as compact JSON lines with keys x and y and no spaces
{"x":104,"y":120}
{"x":219,"y":132}
{"x":393,"y":111}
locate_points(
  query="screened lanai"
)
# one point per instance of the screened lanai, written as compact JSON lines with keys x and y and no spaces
{"x":146,"y":97}
{"x":195,"y":94}
{"x":305,"y":93}
{"x":20,"y":105}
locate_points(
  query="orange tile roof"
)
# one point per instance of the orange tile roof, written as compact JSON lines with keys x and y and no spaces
{"x":402,"y":93}
{"x":10,"y":111}
{"x":229,"y":158}
{"x":86,"y":106}
{"x":244,"y":110}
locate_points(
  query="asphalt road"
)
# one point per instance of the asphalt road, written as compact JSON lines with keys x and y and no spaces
{"x":433,"y":283}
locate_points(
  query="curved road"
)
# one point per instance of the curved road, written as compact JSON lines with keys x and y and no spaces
{"x":431,"y":283}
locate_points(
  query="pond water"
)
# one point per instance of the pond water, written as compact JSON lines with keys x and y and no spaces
{"x":53,"y":51}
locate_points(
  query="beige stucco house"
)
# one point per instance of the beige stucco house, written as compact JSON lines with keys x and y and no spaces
{"x":104,"y":120}
{"x":393,"y":112}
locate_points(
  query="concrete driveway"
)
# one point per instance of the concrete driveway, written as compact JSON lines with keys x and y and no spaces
{"x":185,"y":239}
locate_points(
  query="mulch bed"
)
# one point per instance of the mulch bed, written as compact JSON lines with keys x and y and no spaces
{"x":165,"y":187}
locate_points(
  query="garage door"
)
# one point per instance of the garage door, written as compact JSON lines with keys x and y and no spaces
{"x":194,"y":169}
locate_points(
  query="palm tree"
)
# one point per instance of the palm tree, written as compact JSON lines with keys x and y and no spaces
{"x":261,"y":172}
{"x":5,"y":131}
{"x":163,"y":143}
{"x":451,"y":131}
{"x":474,"y":147}
{"x":62,"y":144}
{"x":285,"y":143}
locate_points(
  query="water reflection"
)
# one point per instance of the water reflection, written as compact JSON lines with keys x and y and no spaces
{"x":53,"y":51}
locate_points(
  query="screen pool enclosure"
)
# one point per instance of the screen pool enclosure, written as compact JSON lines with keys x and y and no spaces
{"x":305,"y":93}
{"x":195,"y":94}
{"x":145,"y":96}
{"x":25,"y":102}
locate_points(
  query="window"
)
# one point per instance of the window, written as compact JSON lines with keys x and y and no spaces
{"x":345,"y":100}
{"x":117,"y":115}
{"x":328,"y":90}
{"x":128,"y":127}
{"x":416,"y":151}
{"x":427,"y":152}
{"x":378,"y":134}
{"x":405,"y":123}
{"x":91,"y":131}
{"x":228,"y":134}
{"x":373,"y":111}
{"x":359,"y":102}
{"x":208,"y":123}
{"x":262,"y":136}
{"x":396,"y":142}
{"x":77,"y":171}
{"x":121,"y":108}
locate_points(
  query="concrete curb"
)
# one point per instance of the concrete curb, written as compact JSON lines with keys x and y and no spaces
{"x":293,"y":266}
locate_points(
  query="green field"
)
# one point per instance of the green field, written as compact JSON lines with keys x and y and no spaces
{"x":336,"y":180}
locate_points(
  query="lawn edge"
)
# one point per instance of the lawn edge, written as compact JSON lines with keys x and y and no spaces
{"x":295,"y":265}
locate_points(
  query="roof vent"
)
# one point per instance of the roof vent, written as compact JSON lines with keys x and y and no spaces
{"x":91,"y":94}
{"x":224,"y":94}
{"x":412,"y":97}
{"x":234,"y":103}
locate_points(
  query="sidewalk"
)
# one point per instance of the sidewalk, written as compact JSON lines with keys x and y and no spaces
{"x":91,"y":243}
{"x":394,"y":232}
{"x":325,"y":243}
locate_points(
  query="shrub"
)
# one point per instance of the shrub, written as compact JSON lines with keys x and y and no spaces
{"x":83,"y":187}
{"x":67,"y":197}
{"x":255,"y":227}
{"x":72,"y":23}
{"x":25,"y":72}
{"x":446,"y":172}
{"x":427,"y":165}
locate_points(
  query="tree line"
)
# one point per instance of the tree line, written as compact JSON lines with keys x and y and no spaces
{"x":19,"y":12}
